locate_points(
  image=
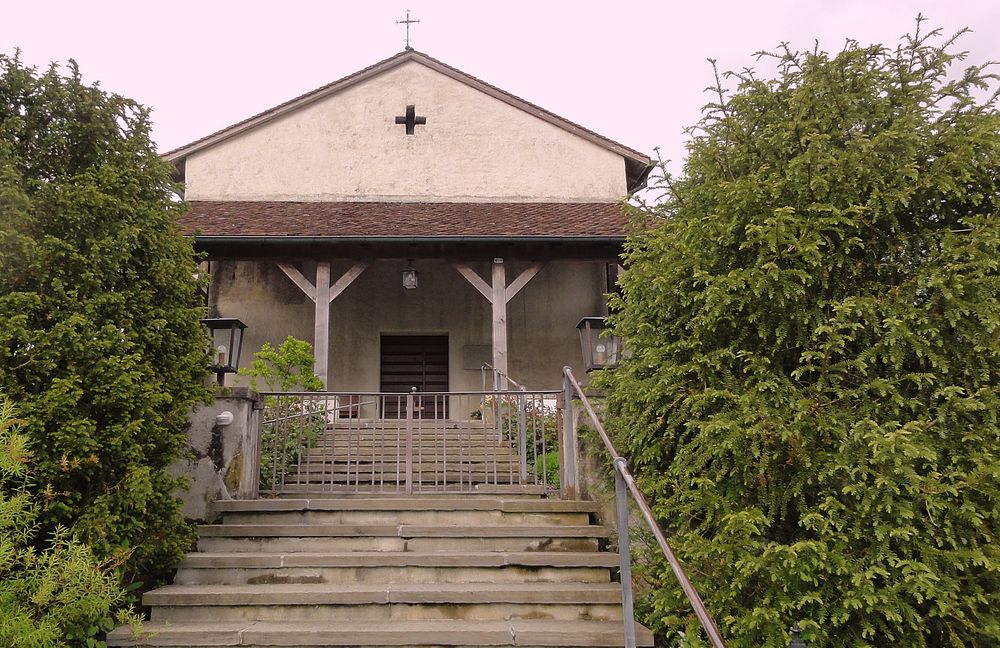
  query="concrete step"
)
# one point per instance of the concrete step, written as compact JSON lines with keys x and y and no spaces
{"x":365,"y":464}
{"x":452,"y":633}
{"x":391,"y":445}
{"x":318,"y":544}
{"x":428,"y":450}
{"x":400,"y":575}
{"x":421,"y":503}
{"x":385,"y":602}
{"x":366,"y":477}
{"x":405,"y":537}
{"x":400,"y":531}
{"x":390,"y":455}
{"x":389,"y":567}
{"x":419,"y":425}
{"x":415,"y":433}
{"x":204,"y":560}
{"x":475,"y":490}
{"x":426,"y":431}
{"x":486,"y":518}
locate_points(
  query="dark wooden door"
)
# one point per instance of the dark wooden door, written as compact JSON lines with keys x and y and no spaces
{"x":419,"y":361}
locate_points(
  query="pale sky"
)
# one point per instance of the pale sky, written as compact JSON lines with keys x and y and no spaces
{"x":632,"y":70}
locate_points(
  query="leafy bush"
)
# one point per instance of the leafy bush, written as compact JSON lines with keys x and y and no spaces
{"x":813,"y":315}
{"x":100,"y":342}
{"x":53,"y":591}
{"x":290,"y":424}
{"x":541,"y":429}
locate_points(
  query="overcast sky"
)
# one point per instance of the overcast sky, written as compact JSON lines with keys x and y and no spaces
{"x":632,"y":70}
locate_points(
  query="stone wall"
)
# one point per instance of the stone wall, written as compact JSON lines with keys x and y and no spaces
{"x":221,"y":452}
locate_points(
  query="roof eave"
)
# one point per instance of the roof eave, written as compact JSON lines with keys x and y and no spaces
{"x":353,"y":240}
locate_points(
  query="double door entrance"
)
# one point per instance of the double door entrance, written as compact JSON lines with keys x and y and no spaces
{"x":414,"y":363}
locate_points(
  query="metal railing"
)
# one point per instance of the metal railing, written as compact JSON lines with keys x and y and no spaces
{"x":407,"y":443}
{"x":625,"y":485}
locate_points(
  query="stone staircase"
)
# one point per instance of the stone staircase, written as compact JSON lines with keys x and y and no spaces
{"x":431,"y":570}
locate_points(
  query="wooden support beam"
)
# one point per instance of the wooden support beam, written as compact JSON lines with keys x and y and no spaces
{"x":522,"y":280}
{"x":474,"y":279}
{"x":298,"y":279}
{"x":321,"y":331}
{"x":499,"y":300}
{"x":346,"y":279}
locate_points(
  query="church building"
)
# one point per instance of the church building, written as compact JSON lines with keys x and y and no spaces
{"x":414,"y":223}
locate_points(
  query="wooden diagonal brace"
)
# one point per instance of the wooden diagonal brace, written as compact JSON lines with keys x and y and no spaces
{"x":346,"y":279}
{"x":474,"y":279}
{"x":522,"y":280}
{"x":298,"y":279}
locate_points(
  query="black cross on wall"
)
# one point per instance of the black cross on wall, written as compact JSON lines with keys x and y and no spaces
{"x":410,"y":119}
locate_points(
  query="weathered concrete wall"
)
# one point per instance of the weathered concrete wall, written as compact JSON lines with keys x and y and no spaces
{"x":542,"y":318}
{"x":348,"y":147}
{"x":220,"y":457}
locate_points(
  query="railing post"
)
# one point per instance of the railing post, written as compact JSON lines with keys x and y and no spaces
{"x":624,"y":553}
{"x":255,"y":444}
{"x":409,"y":443}
{"x":567,"y":450}
{"x":522,"y":433}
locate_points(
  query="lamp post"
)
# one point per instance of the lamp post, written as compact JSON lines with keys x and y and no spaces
{"x":797,"y":641}
{"x":227,"y":343}
{"x":599,"y":351}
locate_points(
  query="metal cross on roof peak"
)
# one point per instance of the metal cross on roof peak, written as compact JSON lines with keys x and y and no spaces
{"x":407,"y":22}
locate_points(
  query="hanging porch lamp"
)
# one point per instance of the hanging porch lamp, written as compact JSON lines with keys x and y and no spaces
{"x":410,"y":277}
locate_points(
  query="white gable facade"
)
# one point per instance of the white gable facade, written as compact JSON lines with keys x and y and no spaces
{"x":347,"y":147}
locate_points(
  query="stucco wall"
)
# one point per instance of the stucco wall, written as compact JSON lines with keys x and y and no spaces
{"x":542,"y":318}
{"x":348,"y":147}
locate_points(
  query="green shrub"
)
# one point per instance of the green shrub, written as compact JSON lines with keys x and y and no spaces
{"x":290,"y":424}
{"x":813,"y":316}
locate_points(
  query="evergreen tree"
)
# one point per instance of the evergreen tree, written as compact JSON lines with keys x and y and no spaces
{"x":813,"y":315}
{"x":99,"y":336}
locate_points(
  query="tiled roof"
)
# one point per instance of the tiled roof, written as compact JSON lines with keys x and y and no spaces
{"x":402,"y":219}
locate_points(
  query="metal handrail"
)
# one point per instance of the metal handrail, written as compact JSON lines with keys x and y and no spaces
{"x":500,"y":374}
{"x":625,"y":483}
{"x":315,"y":412}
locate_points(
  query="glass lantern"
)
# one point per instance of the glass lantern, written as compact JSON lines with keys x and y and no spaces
{"x":600,"y":351}
{"x":227,"y":343}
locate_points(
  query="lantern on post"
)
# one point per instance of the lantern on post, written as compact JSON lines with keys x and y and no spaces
{"x":599,"y":351}
{"x":227,"y":343}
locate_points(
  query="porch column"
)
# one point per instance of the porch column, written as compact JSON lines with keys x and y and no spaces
{"x":321,"y":321}
{"x":499,"y":301}
{"x":322,"y":293}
